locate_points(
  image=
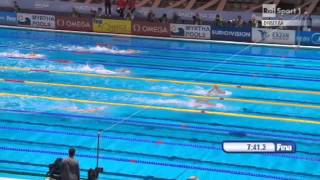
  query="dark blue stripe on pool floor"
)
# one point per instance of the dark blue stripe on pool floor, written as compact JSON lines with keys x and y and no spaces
{"x":154,"y":163}
{"x":179,"y":126}
{"x":137,"y":140}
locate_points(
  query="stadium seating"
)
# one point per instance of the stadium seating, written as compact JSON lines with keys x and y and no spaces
{"x":312,"y":6}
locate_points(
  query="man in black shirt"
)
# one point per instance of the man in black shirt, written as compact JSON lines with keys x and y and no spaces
{"x":107,"y":5}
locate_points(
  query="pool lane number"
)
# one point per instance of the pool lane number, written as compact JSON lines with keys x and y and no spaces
{"x":258,"y":147}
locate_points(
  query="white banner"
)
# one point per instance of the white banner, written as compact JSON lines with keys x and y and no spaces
{"x":36,"y":20}
{"x":278,"y":36}
{"x":191,"y":31}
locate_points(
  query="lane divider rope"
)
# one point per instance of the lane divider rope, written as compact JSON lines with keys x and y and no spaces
{"x":226,"y":114}
{"x":162,"y":94}
{"x":167,"y":81}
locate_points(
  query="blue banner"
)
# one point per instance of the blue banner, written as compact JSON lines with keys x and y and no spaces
{"x":8,"y":18}
{"x":308,"y":38}
{"x":231,"y":34}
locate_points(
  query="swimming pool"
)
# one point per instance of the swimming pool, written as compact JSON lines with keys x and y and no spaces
{"x":58,"y":90}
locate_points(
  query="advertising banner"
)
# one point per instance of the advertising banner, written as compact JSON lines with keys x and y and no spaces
{"x":36,"y":20}
{"x":8,"y":18}
{"x":151,"y":29}
{"x":112,"y":26}
{"x":308,"y":38}
{"x":190,"y":31}
{"x":278,"y":36}
{"x":73,"y":23}
{"x":231,"y":34}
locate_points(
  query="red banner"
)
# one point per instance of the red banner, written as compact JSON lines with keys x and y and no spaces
{"x":151,"y":29}
{"x":74,"y":24}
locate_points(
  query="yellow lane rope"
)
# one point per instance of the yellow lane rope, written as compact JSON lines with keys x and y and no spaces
{"x":169,"y":94}
{"x":268,"y":118}
{"x":169,"y":81}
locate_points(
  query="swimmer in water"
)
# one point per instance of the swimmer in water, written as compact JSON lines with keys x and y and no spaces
{"x":131,"y":51}
{"x":89,"y":110}
{"x":124,"y":71}
{"x":204,"y":104}
{"x":216,"y":91}
{"x":33,"y":56}
{"x":114,"y":50}
{"x":25,"y":56}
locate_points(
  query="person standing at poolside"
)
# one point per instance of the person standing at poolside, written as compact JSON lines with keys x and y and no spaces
{"x":70,"y":169}
{"x":107,"y":5}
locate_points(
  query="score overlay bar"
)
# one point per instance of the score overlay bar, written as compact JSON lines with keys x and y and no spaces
{"x":259,"y":147}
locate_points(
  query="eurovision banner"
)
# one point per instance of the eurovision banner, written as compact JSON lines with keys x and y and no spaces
{"x":231,"y":34}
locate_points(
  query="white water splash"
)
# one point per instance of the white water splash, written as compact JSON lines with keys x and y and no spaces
{"x":17,"y":54}
{"x":100,"y":49}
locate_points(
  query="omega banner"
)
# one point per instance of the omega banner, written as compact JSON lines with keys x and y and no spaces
{"x":151,"y":29}
{"x":73,"y":23}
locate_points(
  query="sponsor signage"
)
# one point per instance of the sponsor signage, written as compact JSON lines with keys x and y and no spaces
{"x":190,"y":31}
{"x":36,"y":20}
{"x":73,"y":23}
{"x":308,"y":38}
{"x":112,"y":26}
{"x":261,"y":35}
{"x":231,"y":34}
{"x":8,"y":18}
{"x":151,"y":29}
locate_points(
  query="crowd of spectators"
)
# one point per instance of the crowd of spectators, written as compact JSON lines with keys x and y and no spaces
{"x":126,"y":9}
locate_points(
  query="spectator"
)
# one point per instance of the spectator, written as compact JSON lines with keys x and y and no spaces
{"x":107,"y":5}
{"x":218,"y":21}
{"x":75,"y":13}
{"x":175,"y":18}
{"x":121,"y":7}
{"x":92,"y":174}
{"x":196,"y":19}
{"x":151,"y":16}
{"x":132,"y":6}
{"x":70,"y":169}
{"x":164,"y":19}
{"x":55,"y":169}
{"x":16,"y":7}
{"x":306,"y":22}
{"x":254,"y":22}
{"x":239,"y":22}
{"x":130,"y":15}
{"x":99,"y":13}
{"x":309,"y":23}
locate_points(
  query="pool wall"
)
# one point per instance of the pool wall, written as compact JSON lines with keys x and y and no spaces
{"x":207,"y":33}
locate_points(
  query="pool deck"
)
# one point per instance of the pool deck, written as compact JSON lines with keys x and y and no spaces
{"x":163,"y":38}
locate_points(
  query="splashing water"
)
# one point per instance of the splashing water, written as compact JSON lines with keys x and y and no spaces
{"x":17,"y":54}
{"x":100,"y":49}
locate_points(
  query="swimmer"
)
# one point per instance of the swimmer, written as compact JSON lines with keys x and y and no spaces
{"x":33,"y":56}
{"x":131,"y":51}
{"x":105,"y":45}
{"x":216,"y":91}
{"x":89,"y":110}
{"x":204,"y":104}
{"x":25,"y":56}
{"x":124,"y":71}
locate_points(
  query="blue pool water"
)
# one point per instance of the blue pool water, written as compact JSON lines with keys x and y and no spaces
{"x":144,"y":94}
